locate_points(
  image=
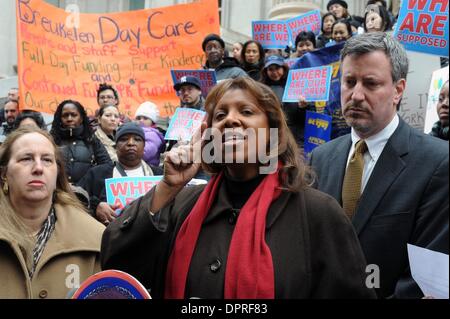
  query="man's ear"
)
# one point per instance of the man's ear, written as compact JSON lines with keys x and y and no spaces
{"x":399,"y":87}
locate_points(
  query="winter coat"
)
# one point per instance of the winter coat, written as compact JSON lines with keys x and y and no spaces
{"x":70,"y":256}
{"x":80,"y":156}
{"x":155,"y":144}
{"x":229,"y":69}
{"x":94,"y":182}
{"x":314,"y":248}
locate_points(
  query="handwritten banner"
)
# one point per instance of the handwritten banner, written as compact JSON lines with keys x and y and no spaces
{"x":61,"y":56}
{"x":423,"y":26}
{"x":271,"y":34}
{"x":207,"y":78}
{"x":311,"y":83}
{"x":310,"y":21}
{"x":184,"y":123}
{"x":123,"y":190}
{"x":317,"y":130}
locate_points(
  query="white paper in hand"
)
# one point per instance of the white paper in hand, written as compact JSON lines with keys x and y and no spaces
{"x":430,"y":270}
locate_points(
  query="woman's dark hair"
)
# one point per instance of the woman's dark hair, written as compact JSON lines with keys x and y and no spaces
{"x":305,"y":36}
{"x":262,"y":53}
{"x":56,"y":130}
{"x":35,"y":116}
{"x":103,"y":87}
{"x":383,"y":3}
{"x":346,"y":23}
{"x":102,"y":110}
{"x":383,"y":13}
{"x":327,"y":15}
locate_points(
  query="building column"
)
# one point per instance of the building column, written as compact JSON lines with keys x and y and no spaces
{"x":285,"y":9}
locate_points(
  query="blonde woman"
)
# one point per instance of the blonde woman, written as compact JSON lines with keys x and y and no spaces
{"x":48,"y":243}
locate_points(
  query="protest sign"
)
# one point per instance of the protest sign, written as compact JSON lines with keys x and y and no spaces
{"x":207,"y":78}
{"x":328,"y":56}
{"x":271,"y":34}
{"x":291,"y":62}
{"x":123,"y":190}
{"x":310,"y":21}
{"x":311,"y":83}
{"x":414,"y":101}
{"x":184,"y":123}
{"x":437,"y":81}
{"x":317,"y":130}
{"x":423,"y":26}
{"x":134,"y":51}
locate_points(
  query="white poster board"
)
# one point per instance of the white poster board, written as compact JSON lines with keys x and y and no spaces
{"x":414,"y":103}
{"x":438,"y":79}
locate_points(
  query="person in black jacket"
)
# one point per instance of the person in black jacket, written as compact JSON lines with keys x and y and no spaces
{"x":130,"y":141}
{"x":81,"y":150}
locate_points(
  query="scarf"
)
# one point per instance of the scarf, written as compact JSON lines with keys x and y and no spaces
{"x":42,"y":238}
{"x":249,"y":270}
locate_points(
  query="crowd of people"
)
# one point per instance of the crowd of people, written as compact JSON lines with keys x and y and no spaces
{"x":269,"y":223}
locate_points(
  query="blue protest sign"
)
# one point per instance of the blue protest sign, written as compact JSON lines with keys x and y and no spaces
{"x":123,"y":190}
{"x":207,"y":78}
{"x":271,"y":34}
{"x":291,"y":62}
{"x":310,"y":21}
{"x":184,"y":124}
{"x":423,"y":26}
{"x":311,"y":83}
{"x":317,"y":130}
{"x":328,"y":56}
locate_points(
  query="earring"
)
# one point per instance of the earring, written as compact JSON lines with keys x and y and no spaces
{"x":5,"y":187}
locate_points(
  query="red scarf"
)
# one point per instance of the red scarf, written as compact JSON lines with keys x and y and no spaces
{"x":249,"y":271}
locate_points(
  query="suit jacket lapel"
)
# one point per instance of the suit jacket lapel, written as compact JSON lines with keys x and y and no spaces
{"x":338,"y":163}
{"x":387,"y":168}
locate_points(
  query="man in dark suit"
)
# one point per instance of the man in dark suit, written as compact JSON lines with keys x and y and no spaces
{"x":391,"y":179}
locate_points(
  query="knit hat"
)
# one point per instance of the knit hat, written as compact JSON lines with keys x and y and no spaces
{"x":129,"y":128}
{"x":341,"y":2}
{"x":149,"y":110}
{"x":211,"y":37}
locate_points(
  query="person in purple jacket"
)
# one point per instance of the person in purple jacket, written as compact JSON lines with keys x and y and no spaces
{"x":146,"y":116}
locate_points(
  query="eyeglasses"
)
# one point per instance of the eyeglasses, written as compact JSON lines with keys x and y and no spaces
{"x":140,"y":117}
{"x":106,"y":97}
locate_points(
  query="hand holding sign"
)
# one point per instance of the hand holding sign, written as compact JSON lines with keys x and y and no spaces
{"x":105,"y":213}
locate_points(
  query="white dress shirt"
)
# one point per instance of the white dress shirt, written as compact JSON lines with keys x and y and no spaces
{"x":375,"y":145}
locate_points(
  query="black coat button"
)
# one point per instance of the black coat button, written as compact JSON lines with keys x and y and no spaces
{"x":215,"y":265}
{"x":234,"y":213}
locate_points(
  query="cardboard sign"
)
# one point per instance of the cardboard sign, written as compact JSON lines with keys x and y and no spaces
{"x":184,"y":124}
{"x":61,"y":56}
{"x":207,"y":78}
{"x":310,"y":21}
{"x":317,"y":130}
{"x":123,"y":190}
{"x":271,"y":34}
{"x":311,"y":83}
{"x":423,"y":26}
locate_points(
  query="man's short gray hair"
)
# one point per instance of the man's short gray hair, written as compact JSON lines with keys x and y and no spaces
{"x":379,"y":41}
